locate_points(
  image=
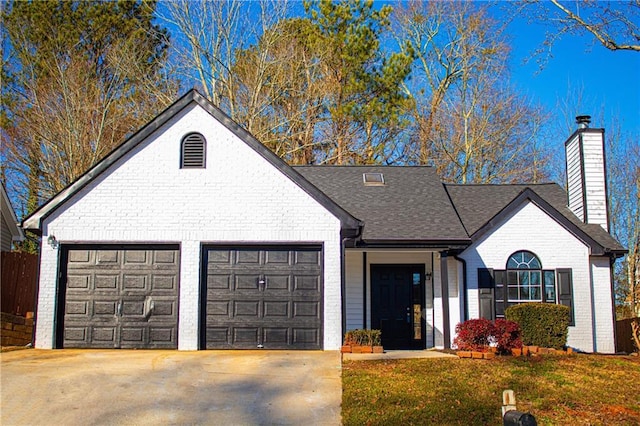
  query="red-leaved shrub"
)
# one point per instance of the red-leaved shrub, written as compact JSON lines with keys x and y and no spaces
{"x":480,"y":334}
{"x":474,"y":334}
{"x":507,"y":335}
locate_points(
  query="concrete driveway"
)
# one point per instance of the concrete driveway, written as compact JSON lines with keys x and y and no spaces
{"x":135,"y":387}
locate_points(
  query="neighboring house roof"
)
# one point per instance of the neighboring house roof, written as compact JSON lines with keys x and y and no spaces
{"x":10,"y":229}
{"x":411,"y":207}
{"x":481,"y":207}
{"x":350,"y":225}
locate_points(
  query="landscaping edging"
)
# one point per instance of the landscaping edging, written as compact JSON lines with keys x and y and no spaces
{"x":16,"y":330}
{"x":358,"y":349}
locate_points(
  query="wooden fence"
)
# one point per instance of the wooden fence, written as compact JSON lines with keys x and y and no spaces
{"x":624,"y":341}
{"x":19,"y":283}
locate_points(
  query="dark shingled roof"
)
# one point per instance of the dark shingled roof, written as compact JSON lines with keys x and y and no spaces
{"x":478,"y":204}
{"x":411,"y":206}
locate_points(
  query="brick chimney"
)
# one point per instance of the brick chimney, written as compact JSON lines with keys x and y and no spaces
{"x":586,"y":174}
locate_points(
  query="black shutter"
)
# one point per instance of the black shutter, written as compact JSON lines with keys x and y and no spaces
{"x":485,"y":293}
{"x":500,"y":280}
{"x":565,"y":291}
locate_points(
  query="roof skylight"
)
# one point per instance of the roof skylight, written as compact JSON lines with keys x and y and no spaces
{"x":373,"y":179}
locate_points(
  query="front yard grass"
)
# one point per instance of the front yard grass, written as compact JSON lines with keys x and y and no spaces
{"x":576,"y":389}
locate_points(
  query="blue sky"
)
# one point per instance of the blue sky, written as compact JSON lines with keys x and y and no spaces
{"x":609,"y":80}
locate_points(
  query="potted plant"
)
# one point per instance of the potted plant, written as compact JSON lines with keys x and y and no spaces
{"x":375,"y":338}
{"x":362,"y":341}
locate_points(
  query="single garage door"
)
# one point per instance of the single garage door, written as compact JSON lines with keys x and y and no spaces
{"x":120,"y":297}
{"x":263,"y":297}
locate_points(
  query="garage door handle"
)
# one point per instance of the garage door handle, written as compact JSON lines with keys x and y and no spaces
{"x":262,"y":282}
{"x":119,"y":309}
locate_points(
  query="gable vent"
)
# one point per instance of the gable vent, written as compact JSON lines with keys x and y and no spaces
{"x":193,"y":151}
{"x":373,"y":179}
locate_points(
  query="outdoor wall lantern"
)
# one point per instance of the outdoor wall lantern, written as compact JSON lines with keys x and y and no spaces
{"x":53,"y":242}
{"x":428,"y":275}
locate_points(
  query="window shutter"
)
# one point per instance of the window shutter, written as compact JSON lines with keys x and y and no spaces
{"x":193,"y":151}
{"x":500,"y":280}
{"x":485,"y":293}
{"x":565,"y":291}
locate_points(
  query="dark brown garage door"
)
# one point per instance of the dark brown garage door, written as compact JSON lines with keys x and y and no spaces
{"x":120,"y":297}
{"x":267,"y":297}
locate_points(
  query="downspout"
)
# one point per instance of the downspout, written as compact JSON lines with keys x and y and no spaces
{"x":464,"y":286}
{"x":343,"y":289}
{"x":364,"y":289}
{"x":444,"y":284}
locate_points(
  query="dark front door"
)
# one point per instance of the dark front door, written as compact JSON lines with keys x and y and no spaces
{"x":262,"y":297}
{"x":397,"y":302}
{"x":119,"y":297}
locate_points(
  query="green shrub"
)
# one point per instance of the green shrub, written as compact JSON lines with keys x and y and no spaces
{"x":542,"y":324}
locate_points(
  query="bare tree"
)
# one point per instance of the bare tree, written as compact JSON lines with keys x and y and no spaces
{"x":614,"y":24}
{"x":78,"y":78}
{"x":208,"y":36}
{"x":468,"y":122}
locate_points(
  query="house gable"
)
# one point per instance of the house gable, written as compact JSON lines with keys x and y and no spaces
{"x":350,"y":225}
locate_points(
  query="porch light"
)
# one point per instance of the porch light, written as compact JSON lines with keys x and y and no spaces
{"x":427,"y":275}
{"x":53,"y":242}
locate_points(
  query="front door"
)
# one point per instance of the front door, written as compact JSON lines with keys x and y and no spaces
{"x":397,"y":302}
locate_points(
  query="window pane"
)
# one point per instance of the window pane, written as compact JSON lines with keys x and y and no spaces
{"x":524,"y":277}
{"x":416,"y":278}
{"x":513,"y":293}
{"x":535,"y":277}
{"x":550,"y":286}
{"x":524,"y":293}
{"x":535,"y":293}
{"x":512,"y":277}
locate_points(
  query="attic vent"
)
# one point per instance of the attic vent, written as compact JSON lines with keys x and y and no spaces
{"x":193,"y":151}
{"x":373,"y":179}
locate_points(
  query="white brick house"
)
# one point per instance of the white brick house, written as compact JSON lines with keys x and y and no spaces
{"x":193,"y":235}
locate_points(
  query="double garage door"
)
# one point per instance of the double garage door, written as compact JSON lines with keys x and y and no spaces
{"x":251,"y":297}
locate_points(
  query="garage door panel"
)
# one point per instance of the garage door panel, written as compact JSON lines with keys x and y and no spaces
{"x":79,"y":281}
{"x":306,"y":309}
{"x":246,"y":309}
{"x":164,"y":308}
{"x":304,"y":283}
{"x":276,"y":309}
{"x":246,"y":282}
{"x":107,"y":257}
{"x":164,"y":283}
{"x":306,"y":336}
{"x":259,"y":307}
{"x":245,"y":335}
{"x":277,"y":257}
{"x":106,"y":282}
{"x":165,"y":258}
{"x":103,"y":307}
{"x":278,"y":337}
{"x":114,"y":296}
{"x":103,"y":336}
{"x":247,"y":257}
{"x":134,"y":282}
{"x":307,"y":257}
{"x":219,"y":281}
{"x":276,"y":283}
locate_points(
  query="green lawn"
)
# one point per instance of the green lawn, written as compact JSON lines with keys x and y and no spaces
{"x":576,"y":389}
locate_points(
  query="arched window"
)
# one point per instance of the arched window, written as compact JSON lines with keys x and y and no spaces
{"x":524,"y":278}
{"x":193,"y":151}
